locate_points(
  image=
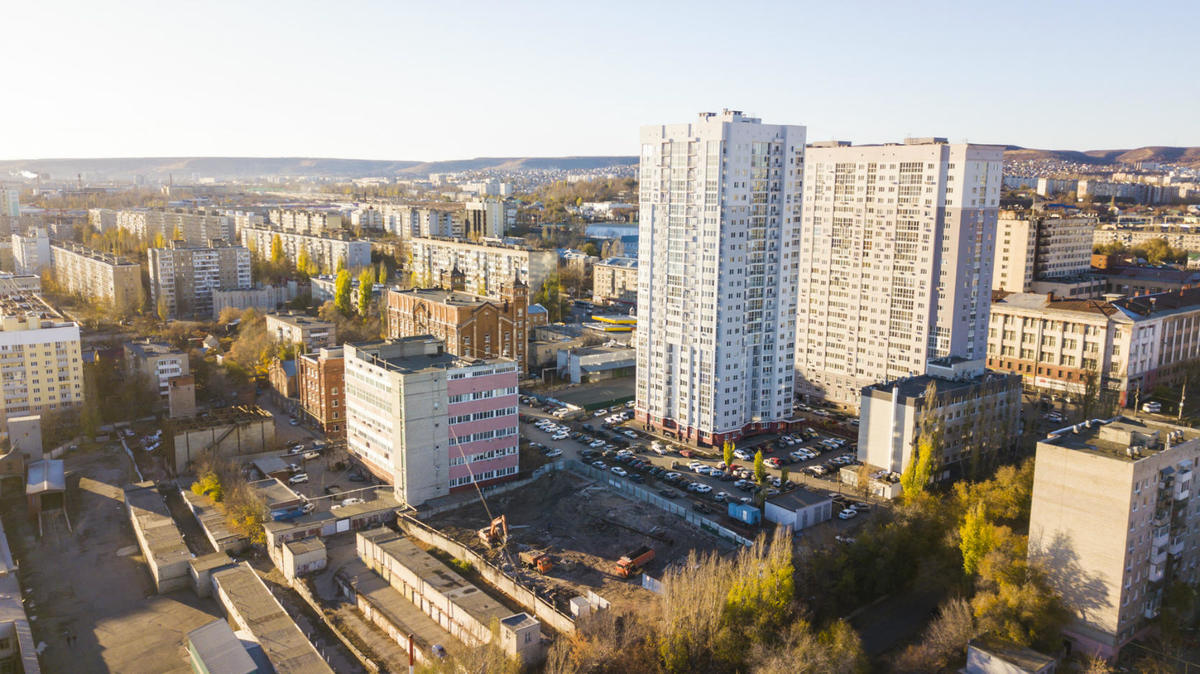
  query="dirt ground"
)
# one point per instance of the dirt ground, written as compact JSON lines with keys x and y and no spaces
{"x":585,"y":528}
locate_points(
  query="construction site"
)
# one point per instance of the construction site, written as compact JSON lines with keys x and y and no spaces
{"x":564,"y":535}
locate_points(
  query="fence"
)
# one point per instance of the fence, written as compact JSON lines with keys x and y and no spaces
{"x":636,"y":493}
{"x":542,"y":609}
{"x":431,"y":508}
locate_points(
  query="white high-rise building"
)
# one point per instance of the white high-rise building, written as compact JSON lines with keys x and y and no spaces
{"x":895,"y":261}
{"x":10,"y":202}
{"x":720,"y":220}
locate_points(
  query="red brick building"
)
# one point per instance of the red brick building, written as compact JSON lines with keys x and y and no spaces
{"x":320,"y":379}
{"x":472,"y":326}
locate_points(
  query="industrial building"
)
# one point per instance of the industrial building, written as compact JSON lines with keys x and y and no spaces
{"x":158,"y":537}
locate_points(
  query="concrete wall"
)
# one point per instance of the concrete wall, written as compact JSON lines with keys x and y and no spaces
{"x":248,"y":437}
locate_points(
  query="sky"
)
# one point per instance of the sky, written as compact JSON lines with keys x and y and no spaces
{"x":410,"y":80}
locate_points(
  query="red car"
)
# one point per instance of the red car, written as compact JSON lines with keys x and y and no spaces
{"x":772,"y":462}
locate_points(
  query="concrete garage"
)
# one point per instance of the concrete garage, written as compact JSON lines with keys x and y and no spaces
{"x":799,"y":509}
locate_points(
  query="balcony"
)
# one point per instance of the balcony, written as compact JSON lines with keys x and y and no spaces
{"x":1176,"y":548}
{"x":1151,"y":613}
{"x":1158,"y":556}
{"x":1156,"y":574}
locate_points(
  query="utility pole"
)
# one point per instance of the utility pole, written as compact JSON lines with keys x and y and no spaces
{"x":1182,"y":398}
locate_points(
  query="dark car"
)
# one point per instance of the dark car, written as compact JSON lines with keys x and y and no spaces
{"x":356,"y":477}
{"x":701,"y":508}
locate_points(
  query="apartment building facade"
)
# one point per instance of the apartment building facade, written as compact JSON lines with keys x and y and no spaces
{"x":303,"y":221}
{"x":31,"y":252}
{"x":1130,"y":345}
{"x":429,"y":422}
{"x":978,"y":413}
{"x":310,"y":333}
{"x":41,"y":368}
{"x":327,"y":252}
{"x":719,"y":214}
{"x":97,"y":275}
{"x":1114,"y":522}
{"x":320,"y":377}
{"x":894,"y":262}
{"x":472,"y":326}
{"x":158,"y":362}
{"x":615,"y":280}
{"x":1034,"y":247}
{"x":486,"y":267}
{"x":197,"y":227}
{"x":184,"y":277}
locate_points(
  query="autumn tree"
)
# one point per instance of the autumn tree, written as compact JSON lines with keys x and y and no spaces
{"x":919,"y":471}
{"x":276,"y":249}
{"x":727,"y":452}
{"x":341,"y":293}
{"x":760,"y":468}
{"x":976,"y":537}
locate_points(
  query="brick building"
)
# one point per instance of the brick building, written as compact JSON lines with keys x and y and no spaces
{"x":472,"y":326}
{"x":320,"y":378}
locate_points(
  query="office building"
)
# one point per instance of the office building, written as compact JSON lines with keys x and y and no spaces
{"x":472,"y":326}
{"x":615,"y":280}
{"x":978,"y":412}
{"x":98,"y":276}
{"x":40,"y":363}
{"x":320,"y":376}
{"x":328,"y":252}
{"x":184,"y":277}
{"x":31,"y":252}
{"x":895,"y":261}
{"x":158,"y":362}
{"x":308,"y":332}
{"x":1114,"y":524}
{"x":1033,"y":247}
{"x":719,"y":215}
{"x":197,"y":227}
{"x":428,"y":422}
{"x":1131,"y":345}
{"x":486,"y":267}
{"x":305,"y":221}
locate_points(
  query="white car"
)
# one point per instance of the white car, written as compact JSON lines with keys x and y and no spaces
{"x":596,"y":443}
{"x":554,"y":453}
{"x":561,"y":435}
{"x":743,"y":454}
{"x":694,"y":465}
{"x":618,"y":471}
{"x":599,"y":413}
{"x":298,"y":478}
{"x":703,"y":489}
{"x":848,"y":514}
{"x":630,"y":434}
{"x":659,"y":450}
{"x":1153,"y":407}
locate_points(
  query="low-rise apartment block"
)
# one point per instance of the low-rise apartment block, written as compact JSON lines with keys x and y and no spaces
{"x":1033,"y":247}
{"x":305,"y":221}
{"x":97,"y":275}
{"x":486,"y":267}
{"x":184,"y":277}
{"x":326,"y":251}
{"x":197,"y":227}
{"x":41,"y":369}
{"x":429,"y":422}
{"x":1130,"y":345}
{"x":1114,"y":524}
{"x":471,"y":326}
{"x":320,"y":378}
{"x":615,"y":280}
{"x":158,"y":362}
{"x":978,"y":413}
{"x":311,"y":333}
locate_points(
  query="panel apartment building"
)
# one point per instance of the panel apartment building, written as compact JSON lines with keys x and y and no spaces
{"x":1131,"y":344}
{"x":429,"y":422}
{"x":487,"y":267}
{"x":97,"y":275}
{"x":615,"y":280}
{"x":720,"y":212}
{"x":184,"y":277}
{"x":40,"y":365}
{"x":1114,"y":521}
{"x":326,"y":251}
{"x":158,"y":362}
{"x":472,"y":326}
{"x":197,"y":227}
{"x":895,"y":261}
{"x":302,"y":221}
{"x":31,"y":252}
{"x":1033,"y":247}
{"x":307,"y":332}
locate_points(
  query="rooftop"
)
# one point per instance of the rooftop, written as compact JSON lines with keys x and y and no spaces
{"x":148,"y":349}
{"x":302,"y":546}
{"x":158,"y":529}
{"x":300,"y":320}
{"x":409,"y":355}
{"x":383,"y":501}
{"x":274,"y":492}
{"x":46,"y":475}
{"x":220,"y":650}
{"x":914,"y":387}
{"x":238,"y":414}
{"x":799,"y":498}
{"x":450,"y":297}
{"x":1027,"y":659}
{"x":619,"y":262}
{"x":92,"y":253}
{"x":1122,"y":438}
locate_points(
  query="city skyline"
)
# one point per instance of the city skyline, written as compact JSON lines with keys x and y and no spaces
{"x":559,"y":81}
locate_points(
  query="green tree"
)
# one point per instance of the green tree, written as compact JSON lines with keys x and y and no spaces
{"x":366,"y":283}
{"x":976,"y":537}
{"x":383,"y":273}
{"x":760,"y":468}
{"x":341,"y":293}
{"x":549,"y":296}
{"x":590,"y":249}
{"x":914,"y":479}
{"x":303,"y":262}
{"x":727,"y":452}
{"x":276,"y":249}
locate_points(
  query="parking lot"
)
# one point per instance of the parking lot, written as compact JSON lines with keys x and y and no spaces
{"x":704,"y":483}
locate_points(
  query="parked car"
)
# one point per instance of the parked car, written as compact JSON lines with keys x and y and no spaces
{"x":298,"y":478}
{"x":630,"y":434}
{"x":1153,"y":407}
{"x":848,"y":514}
{"x":554,"y":453}
{"x":309,"y":456}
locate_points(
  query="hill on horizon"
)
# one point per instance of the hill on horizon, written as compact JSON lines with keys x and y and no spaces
{"x":1180,"y":156}
{"x":249,"y":167}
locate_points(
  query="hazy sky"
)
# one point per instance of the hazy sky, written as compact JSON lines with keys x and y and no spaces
{"x":443,"y":80}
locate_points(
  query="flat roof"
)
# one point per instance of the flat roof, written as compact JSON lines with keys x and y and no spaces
{"x":46,"y":475}
{"x":1116,"y":438}
{"x":211,"y":519}
{"x":914,"y":387}
{"x":1026,"y":658}
{"x":382,"y":501}
{"x":281,"y":639}
{"x":274,"y":492}
{"x":150,"y":512}
{"x":300,"y":320}
{"x":238,"y":414}
{"x":152,"y":349}
{"x":456,"y":298}
{"x":220,"y":650}
{"x":302,"y":546}
{"x":799,"y":498}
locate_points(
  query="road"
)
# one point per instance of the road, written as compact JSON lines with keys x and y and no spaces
{"x":572,"y":449}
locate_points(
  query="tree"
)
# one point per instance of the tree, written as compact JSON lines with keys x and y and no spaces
{"x":366,"y":285}
{"x":1015,"y":601}
{"x":914,"y":479}
{"x":977,"y":537}
{"x":383,"y":273}
{"x":341,"y":293}
{"x":550,"y":298}
{"x":303,"y":262}
{"x":164,"y":311}
{"x":590,"y":248}
{"x":944,"y":642}
{"x":276,"y":249}
{"x":727,"y":452}
{"x":760,"y":469}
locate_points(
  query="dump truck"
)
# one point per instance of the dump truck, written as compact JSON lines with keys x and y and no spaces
{"x":537,"y":560}
{"x":631,"y":564}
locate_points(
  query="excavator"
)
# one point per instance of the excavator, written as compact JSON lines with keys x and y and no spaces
{"x":496,"y":533}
